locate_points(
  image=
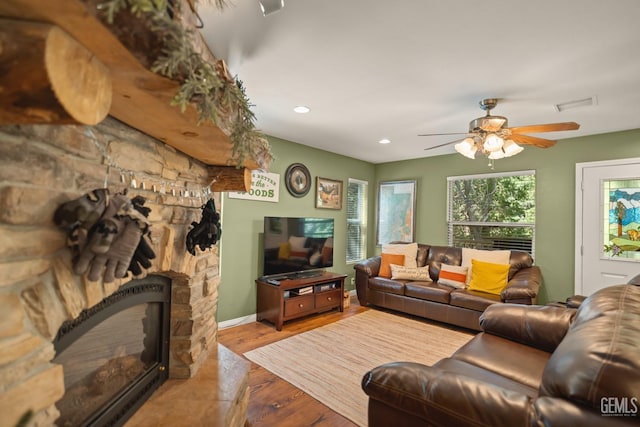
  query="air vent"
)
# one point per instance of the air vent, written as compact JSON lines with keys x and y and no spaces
{"x":586,"y":102}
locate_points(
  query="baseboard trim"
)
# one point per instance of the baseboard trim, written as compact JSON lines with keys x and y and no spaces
{"x":237,"y":321}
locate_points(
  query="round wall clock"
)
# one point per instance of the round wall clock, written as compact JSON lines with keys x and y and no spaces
{"x":297,"y":179}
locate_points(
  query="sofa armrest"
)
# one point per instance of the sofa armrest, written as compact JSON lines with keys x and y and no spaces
{"x":364,"y":270}
{"x":523,"y":287}
{"x":444,"y":398}
{"x":575,"y":301}
{"x":553,"y":411}
{"x":542,"y":327}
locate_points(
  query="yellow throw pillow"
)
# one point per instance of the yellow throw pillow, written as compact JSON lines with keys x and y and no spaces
{"x":387,"y":260}
{"x":488,"y":277}
{"x":284,"y":250}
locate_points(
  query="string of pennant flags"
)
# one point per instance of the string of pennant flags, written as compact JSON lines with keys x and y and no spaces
{"x":187,"y":195}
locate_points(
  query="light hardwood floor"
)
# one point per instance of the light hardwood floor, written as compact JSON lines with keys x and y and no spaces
{"x":274,"y":402}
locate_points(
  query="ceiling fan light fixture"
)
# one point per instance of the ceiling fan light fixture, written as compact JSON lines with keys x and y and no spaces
{"x":493,"y":142}
{"x":467,"y":148}
{"x":496,"y":155}
{"x":510,"y":148}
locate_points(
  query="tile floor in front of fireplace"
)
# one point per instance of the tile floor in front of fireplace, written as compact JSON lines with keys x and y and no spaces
{"x":216,"y":396}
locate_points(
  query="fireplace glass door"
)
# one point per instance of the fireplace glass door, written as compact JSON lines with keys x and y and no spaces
{"x":114,"y":355}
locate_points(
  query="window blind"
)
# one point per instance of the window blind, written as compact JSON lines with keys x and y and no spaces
{"x":356,"y":220}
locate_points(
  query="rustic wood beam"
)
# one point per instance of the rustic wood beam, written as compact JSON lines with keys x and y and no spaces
{"x":48,"y":77}
{"x":229,"y":178}
{"x":141,"y":98}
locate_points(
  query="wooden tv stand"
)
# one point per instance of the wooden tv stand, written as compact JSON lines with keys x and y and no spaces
{"x":279,"y":302}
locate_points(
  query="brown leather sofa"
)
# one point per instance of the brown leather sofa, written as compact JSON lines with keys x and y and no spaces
{"x":532,"y":366}
{"x":443,"y":303}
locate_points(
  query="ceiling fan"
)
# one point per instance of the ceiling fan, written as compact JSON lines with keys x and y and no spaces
{"x":491,"y":136}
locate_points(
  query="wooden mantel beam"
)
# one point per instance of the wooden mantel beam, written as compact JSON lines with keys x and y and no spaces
{"x":229,"y":178}
{"x":141,"y":99}
{"x":48,"y":77}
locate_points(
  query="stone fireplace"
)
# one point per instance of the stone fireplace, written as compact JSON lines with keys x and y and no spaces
{"x":43,"y":166}
{"x":115,"y":354}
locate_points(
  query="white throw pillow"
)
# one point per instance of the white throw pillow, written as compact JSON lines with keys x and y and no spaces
{"x":400,"y":272}
{"x":297,"y":243}
{"x":409,"y":250}
{"x":494,"y":257}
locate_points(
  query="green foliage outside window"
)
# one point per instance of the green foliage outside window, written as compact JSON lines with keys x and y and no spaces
{"x":496,"y":212}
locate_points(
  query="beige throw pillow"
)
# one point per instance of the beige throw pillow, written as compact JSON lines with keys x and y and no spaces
{"x":409,"y":250}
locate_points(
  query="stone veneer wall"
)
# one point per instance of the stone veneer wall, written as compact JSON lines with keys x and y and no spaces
{"x":40,"y":168}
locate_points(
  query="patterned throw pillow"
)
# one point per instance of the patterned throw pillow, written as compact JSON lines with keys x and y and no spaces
{"x":453,"y":275}
{"x":385,"y":264}
{"x":400,"y":272}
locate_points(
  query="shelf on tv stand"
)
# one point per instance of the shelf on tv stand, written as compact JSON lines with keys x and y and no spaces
{"x":277,"y":303}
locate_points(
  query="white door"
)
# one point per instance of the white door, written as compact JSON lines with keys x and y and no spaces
{"x":607,"y":224}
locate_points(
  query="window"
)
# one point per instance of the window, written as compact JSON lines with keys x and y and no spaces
{"x":317,"y":227}
{"x":492,"y":211}
{"x":356,"y":220}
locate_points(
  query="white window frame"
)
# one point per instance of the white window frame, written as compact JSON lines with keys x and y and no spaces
{"x":360,"y":222}
{"x":451,"y":224}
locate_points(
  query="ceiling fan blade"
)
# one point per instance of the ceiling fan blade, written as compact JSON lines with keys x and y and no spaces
{"x":550,"y":127}
{"x":442,"y":134}
{"x":532,"y":140}
{"x":442,"y":145}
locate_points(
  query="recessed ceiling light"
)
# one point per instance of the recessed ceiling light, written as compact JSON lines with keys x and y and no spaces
{"x":385,"y":141}
{"x":301,"y":109}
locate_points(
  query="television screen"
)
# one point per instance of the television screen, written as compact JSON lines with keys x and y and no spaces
{"x":293,"y":246}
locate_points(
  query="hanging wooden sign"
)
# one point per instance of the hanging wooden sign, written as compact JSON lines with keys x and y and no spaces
{"x":265,"y":187}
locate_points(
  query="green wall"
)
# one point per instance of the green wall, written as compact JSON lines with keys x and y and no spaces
{"x":555,"y":207}
{"x":242,"y":223}
{"x":555,"y":196}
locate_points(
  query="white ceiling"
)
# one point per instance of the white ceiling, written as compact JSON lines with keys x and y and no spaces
{"x":373,"y":69}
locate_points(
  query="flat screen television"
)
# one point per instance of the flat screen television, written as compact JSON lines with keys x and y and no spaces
{"x":297,"y":247}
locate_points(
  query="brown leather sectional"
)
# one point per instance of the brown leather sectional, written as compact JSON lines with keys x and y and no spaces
{"x":443,"y":303}
{"x":532,"y":366}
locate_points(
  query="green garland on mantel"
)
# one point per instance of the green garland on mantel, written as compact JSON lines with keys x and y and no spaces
{"x":209,"y":89}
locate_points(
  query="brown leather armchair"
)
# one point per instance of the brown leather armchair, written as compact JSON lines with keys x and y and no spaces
{"x":532,"y":366}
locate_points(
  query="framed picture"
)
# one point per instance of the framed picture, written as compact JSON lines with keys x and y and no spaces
{"x":396,"y":212}
{"x":328,"y":193}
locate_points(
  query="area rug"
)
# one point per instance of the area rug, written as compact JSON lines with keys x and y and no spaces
{"x":328,"y":363}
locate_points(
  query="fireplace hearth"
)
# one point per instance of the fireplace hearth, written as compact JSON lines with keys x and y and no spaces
{"x":115,"y":354}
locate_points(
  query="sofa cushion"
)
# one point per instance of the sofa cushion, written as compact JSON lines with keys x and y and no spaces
{"x":460,"y":367}
{"x":598,"y":357}
{"x":423,"y":253}
{"x":472,"y":300}
{"x":439,"y":255}
{"x":488,"y":277}
{"x":428,"y":291}
{"x":386,"y":285}
{"x":518,"y":362}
